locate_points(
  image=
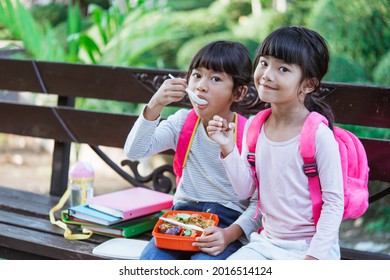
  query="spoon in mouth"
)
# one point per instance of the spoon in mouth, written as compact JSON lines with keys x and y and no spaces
{"x":192,"y":95}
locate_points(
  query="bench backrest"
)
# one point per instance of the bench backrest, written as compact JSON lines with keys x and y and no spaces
{"x":353,"y":104}
{"x":361,"y":105}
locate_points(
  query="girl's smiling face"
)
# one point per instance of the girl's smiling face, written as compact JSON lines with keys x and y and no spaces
{"x":277,"y":81}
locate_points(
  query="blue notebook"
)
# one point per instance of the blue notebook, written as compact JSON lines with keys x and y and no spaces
{"x":83,"y":212}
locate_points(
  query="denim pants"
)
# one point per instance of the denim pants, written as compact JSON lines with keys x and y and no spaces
{"x":226,"y":218}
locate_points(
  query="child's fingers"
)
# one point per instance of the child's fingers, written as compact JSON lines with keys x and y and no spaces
{"x":225,"y":126}
{"x":173,"y":91}
{"x":231,"y":126}
{"x":171,"y":85}
{"x":219,"y":124}
{"x":215,"y":123}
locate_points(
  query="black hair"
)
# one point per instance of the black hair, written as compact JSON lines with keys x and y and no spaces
{"x":230,"y":57}
{"x":306,"y":48}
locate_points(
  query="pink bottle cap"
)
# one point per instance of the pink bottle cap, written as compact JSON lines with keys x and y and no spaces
{"x":81,"y":169}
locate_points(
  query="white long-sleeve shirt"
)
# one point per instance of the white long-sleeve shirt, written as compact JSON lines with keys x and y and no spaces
{"x":285,"y":202}
{"x":204,"y":178}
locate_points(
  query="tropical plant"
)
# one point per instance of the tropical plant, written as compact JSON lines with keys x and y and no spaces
{"x":358,"y":30}
{"x":140,"y":34}
{"x":39,"y":41}
{"x":54,"y":13}
{"x":73,"y":28}
{"x":342,"y":69}
{"x":382,"y":71}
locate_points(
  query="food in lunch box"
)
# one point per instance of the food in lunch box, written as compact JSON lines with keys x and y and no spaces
{"x":192,"y":219}
{"x":191,"y":225}
{"x":190,"y":232}
{"x":164,"y":227}
{"x":185,"y":219}
{"x":175,"y":230}
{"x":168,"y":228}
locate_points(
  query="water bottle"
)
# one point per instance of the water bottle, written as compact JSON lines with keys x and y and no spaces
{"x":81,"y":176}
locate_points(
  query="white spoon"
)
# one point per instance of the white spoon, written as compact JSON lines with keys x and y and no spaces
{"x":192,"y":95}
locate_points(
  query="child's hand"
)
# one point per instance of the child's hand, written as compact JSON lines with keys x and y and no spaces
{"x":172,"y":90}
{"x":221,"y":132}
{"x":213,"y":242}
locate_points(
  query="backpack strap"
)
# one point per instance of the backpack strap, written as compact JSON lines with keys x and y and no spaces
{"x":253,"y":133}
{"x":307,"y":149}
{"x":184,"y":143}
{"x":187,"y":135}
{"x":251,"y":139}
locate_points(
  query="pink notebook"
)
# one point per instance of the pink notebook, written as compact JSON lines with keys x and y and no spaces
{"x":131,"y":203}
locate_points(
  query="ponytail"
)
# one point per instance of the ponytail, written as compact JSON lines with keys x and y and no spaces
{"x":315,"y":101}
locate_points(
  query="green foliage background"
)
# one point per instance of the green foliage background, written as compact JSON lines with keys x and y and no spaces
{"x":165,"y":34}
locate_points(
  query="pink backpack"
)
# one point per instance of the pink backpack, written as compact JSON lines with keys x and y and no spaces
{"x":353,"y":160}
{"x":187,"y":134}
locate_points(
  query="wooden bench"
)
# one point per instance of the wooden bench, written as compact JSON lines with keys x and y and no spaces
{"x":26,"y":232}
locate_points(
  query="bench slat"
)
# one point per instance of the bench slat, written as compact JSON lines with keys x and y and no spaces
{"x":360,"y":104}
{"x":80,"y":80}
{"x":351,"y":254}
{"x":30,"y":222}
{"x":44,"y":244}
{"x":25,"y":226}
{"x":30,"y":203}
{"x":95,"y":128}
{"x":28,"y":229}
{"x":137,"y":85}
{"x":378,"y":155}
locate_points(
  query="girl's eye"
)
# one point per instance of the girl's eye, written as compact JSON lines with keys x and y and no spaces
{"x":283,"y":69}
{"x":263,"y":63}
{"x":196,"y":75}
{"x":216,"y":79}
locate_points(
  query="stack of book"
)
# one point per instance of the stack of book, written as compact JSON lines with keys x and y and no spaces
{"x":123,"y":213}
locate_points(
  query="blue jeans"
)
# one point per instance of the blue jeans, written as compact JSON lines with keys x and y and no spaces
{"x":226,"y":218}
